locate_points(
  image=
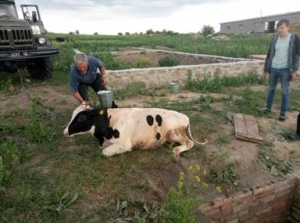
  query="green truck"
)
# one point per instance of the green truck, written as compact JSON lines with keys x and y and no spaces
{"x":24,"y":42}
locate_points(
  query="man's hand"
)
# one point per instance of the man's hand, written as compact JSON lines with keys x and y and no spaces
{"x":86,"y":105}
{"x":293,"y":76}
{"x":104,"y":81}
{"x":265,"y":75}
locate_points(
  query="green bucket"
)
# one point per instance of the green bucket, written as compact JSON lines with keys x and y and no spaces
{"x":174,"y":87}
{"x":105,"y":98}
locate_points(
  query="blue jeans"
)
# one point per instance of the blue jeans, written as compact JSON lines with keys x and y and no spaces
{"x":284,"y":76}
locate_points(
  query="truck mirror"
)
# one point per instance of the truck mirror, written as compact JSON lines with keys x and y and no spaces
{"x":27,"y":15}
{"x":34,"y":18}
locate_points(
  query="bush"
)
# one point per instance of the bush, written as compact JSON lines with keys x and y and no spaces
{"x":168,"y":62}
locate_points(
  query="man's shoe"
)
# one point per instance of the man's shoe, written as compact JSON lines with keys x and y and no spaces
{"x":281,"y":117}
{"x":267,"y":111}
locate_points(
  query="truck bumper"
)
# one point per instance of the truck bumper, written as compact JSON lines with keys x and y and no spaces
{"x":24,"y":55}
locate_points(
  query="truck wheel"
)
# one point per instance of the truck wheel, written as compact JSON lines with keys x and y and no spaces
{"x":41,"y":68}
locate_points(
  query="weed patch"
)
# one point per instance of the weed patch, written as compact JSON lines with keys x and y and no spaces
{"x":268,"y":156}
{"x":218,"y":83}
{"x":224,"y":174}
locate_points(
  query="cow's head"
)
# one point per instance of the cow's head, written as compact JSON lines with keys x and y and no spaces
{"x":85,"y":120}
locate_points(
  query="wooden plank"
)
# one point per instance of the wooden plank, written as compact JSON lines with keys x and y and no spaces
{"x":246,"y":128}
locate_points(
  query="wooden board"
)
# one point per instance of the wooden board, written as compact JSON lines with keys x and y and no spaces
{"x":246,"y":128}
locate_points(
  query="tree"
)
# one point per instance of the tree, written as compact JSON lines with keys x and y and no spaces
{"x":149,"y":32}
{"x":207,"y":30}
{"x":120,"y":34}
{"x":77,"y":32}
{"x":96,"y":33}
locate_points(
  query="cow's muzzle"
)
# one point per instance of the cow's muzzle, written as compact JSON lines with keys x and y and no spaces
{"x":66,"y":133}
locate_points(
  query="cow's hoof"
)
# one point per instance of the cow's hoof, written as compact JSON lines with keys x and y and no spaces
{"x":176,"y":154}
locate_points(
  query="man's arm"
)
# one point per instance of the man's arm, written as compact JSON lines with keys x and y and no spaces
{"x":77,"y":96}
{"x":102,"y":75}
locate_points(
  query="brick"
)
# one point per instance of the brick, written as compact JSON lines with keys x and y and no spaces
{"x":237,"y":209}
{"x":264,"y":211}
{"x":283,"y":188}
{"x":250,"y":219}
{"x":258,"y":191}
{"x":231,"y":217}
{"x":246,"y":200}
{"x":265,"y":193}
{"x":283,"y":193}
{"x":280,"y":204}
{"x":218,"y":202}
{"x":226,"y":207}
{"x":213,"y":211}
{"x":242,"y":195}
{"x":243,"y":213}
{"x":234,"y":221}
{"x":267,"y":199}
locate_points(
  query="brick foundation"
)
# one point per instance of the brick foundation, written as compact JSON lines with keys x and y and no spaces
{"x":277,"y":203}
{"x":158,"y":77}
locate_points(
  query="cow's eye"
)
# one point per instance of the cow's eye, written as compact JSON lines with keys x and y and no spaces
{"x":82,"y":118}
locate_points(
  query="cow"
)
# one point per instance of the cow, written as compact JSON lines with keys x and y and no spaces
{"x":121,"y":130}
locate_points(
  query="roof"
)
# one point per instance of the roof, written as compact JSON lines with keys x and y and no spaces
{"x":263,"y":17}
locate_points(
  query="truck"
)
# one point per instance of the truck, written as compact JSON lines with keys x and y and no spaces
{"x":23,"y":42}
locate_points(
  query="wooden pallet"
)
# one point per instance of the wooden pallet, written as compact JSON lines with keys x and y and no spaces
{"x":246,"y":128}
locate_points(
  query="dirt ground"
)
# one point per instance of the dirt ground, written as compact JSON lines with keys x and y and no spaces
{"x":154,"y":57}
{"x":242,"y":153}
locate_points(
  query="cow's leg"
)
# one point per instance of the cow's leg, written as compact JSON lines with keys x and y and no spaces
{"x":116,"y":148}
{"x":180,"y":136}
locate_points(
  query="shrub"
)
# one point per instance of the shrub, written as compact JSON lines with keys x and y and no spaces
{"x":168,"y":62}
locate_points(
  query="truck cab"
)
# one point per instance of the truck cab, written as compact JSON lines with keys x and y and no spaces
{"x":24,"y":42}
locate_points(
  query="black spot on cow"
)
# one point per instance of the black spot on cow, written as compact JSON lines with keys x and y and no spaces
{"x":112,"y":133}
{"x":150,"y":120}
{"x":158,"y":119}
{"x":157,"y":136}
{"x":116,"y":133}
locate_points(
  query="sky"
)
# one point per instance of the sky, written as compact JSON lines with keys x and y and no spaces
{"x":110,"y":17}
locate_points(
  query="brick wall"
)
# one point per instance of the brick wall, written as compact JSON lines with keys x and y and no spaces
{"x":272,"y":203}
{"x":295,"y":207}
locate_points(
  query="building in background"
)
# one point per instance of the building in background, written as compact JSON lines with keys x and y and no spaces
{"x":264,"y":24}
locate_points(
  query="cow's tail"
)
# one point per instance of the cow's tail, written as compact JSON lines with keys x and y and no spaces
{"x":189,"y":134}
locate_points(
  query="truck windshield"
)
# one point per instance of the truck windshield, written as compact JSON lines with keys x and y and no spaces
{"x":8,"y":11}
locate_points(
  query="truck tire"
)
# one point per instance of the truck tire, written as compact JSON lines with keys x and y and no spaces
{"x":41,"y":68}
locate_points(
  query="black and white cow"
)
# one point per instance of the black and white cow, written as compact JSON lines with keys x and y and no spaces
{"x":123,"y":129}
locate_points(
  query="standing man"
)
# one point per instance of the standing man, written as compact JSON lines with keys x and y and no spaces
{"x":87,"y":71}
{"x":282,"y":63}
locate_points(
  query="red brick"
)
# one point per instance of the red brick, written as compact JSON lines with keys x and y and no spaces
{"x":237,"y":209}
{"x":258,"y":191}
{"x":218,"y":202}
{"x":265,"y":193}
{"x":213,"y":211}
{"x":243,"y":213}
{"x":247,"y":199}
{"x":242,"y":195}
{"x":278,"y":205}
{"x":283,"y":193}
{"x":264,"y":211}
{"x":267,"y":199}
{"x":227,"y":210}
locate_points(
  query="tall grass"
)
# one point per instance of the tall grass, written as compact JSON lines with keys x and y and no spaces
{"x":240,"y":46}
